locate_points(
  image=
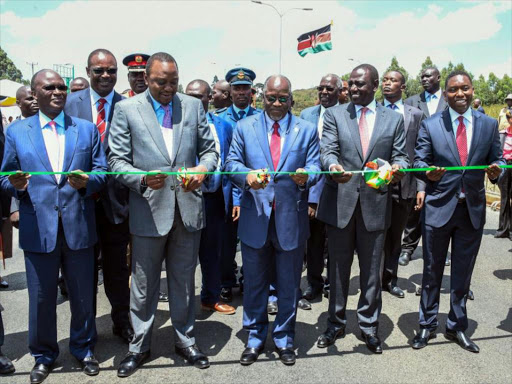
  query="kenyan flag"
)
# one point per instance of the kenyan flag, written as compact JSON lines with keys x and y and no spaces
{"x":315,"y":41}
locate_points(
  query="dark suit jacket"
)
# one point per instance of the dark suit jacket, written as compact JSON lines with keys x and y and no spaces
{"x":341,"y":144}
{"x":114,"y":197}
{"x":436,"y":146}
{"x":419,"y":101}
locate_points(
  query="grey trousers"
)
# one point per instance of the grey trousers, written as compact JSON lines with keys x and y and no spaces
{"x":179,"y":248}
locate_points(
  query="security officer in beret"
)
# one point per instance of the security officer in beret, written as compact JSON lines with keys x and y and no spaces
{"x":136,"y":63}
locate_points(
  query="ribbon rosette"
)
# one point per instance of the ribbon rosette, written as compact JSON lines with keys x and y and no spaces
{"x":183,"y":176}
{"x":377,"y":173}
{"x":263,"y":177}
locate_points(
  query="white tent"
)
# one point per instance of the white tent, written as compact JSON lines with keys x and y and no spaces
{"x":8,"y":89}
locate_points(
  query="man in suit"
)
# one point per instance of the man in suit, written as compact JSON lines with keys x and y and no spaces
{"x":329,"y":91}
{"x":430,"y":101}
{"x":477,"y":104}
{"x":410,"y":192}
{"x":221,"y":97}
{"x":273,"y":226}
{"x":344,"y":95}
{"x":356,"y":215}
{"x":162,"y":131}
{"x":96,"y":104}
{"x":218,"y":200}
{"x":61,"y":232}
{"x":454,"y":204}
{"x":240,"y":80}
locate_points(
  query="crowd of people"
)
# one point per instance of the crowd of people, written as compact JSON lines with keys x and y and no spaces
{"x":165,"y":204}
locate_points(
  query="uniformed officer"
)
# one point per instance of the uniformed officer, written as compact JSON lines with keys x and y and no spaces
{"x":136,"y":63}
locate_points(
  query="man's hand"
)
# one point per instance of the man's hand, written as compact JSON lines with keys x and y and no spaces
{"x":493,"y":171}
{"x":195,"y":181}
{"x":15,"y":219}
{"x":300,"y":177}
{"x":420,"y":200}
{"x":78,"y":180}
{"x":436,"y":174}
{"x":312,"y":210}
{"x":156,"y":181}
{"x":252,"y":179}
{"x":235,"y":215}
{"x":19,"y":180}
{"x":397,"y":174}
{"x":341,"y":178}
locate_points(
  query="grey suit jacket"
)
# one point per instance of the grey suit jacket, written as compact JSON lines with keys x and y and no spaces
{"x":137,"y":144}
{"x":419,"y":101}
{"x":341,"y":144}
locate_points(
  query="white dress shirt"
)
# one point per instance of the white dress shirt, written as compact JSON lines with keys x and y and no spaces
{"x":468,"y":122}
{"x":399,"y":104}
{"x":283,"y":126}
{"x":433,"y":101}
{"x":320,"y":125}
{"x":55,"y":145}
{"x":94,"y":106}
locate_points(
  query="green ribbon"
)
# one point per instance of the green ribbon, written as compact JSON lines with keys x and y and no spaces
{"x":176,"y":173}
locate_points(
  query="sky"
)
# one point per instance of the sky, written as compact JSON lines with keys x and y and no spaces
{"x":208,"y":38}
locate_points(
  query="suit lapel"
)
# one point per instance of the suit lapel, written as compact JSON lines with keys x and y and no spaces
{"x":448,"y":132}
{"x":423,"y":104}
{"x":441,"y":106}
{"x":289,"y":140}
{"x":260,"y":131}
{"x":149,"y":117}
{"x":407,"y":118}
{"x":71,"y":138}
{"x":117,"y":97}
{"x":380,"y":124}
{"x":178,"y":111}
{"x":353,"y":126}
{"x":85,"y":98}
{"x":36,"y":137}
{"x":476,"y":137}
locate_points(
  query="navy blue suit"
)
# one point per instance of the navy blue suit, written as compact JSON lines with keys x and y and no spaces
{"x":57,"y":228}
{"x":274,"y":224}
{"x":446,"y":217}
{"x":111,"y":219}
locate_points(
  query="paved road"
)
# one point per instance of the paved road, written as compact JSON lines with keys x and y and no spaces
{"x":348,"y":361}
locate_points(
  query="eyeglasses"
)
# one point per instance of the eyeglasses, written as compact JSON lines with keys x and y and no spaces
{"x":101,"y":71}
{"x":282,"y":99}
{"x":62,"y":88}
{"x":320,"y":89}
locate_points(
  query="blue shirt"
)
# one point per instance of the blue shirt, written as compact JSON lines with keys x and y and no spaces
{"x":159,"y":110}
{"x":237,"y":110}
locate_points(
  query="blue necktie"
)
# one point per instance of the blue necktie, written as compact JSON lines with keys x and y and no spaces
{"x":167,"y":121}
{"x":392,"y":106}
{"x":241,"y":115}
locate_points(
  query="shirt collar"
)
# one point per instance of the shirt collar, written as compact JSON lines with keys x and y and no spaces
{"x":468,"y":116}
{"x":322,"y":108}
{"x":283,"y":123}
{"x":156,"y":104}
{"x":397,"y":103}
{"x":237,"y":110}
{"x":438,"y":94}
{"x":370,"y":106}
{"x":44,"y":120}
{"x":96,"y":97}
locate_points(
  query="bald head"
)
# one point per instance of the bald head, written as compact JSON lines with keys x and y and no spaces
{"x":78,"y":84}
{"x":221,"y":94}
{"x":50,"y":92}
{"x":277,"y":100}
{"x":329,"y":90}
{"x":26,"y":101}
{"x":201,"y":90}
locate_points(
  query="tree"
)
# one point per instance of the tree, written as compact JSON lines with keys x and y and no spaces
{"x":394,"y":66}
{"x":7,"y":68}
{"x":426,"y":64}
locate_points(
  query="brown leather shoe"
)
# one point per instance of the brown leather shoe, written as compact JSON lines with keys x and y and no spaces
{"x":220,"y":307}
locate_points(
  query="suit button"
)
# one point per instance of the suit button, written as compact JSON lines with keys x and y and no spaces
{"x":270,"y":204}
{"x":357,"y":189}
{"x":172,"y":187}
{"x":56,"y":208}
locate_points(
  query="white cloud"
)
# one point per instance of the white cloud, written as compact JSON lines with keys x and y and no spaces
{"x":499,"y":69}
{"x":209,"y":37}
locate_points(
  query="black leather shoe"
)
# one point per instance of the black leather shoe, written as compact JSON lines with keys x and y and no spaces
{"x":272,"y":307}
{"x":193,"y":356}
{"x":422,"y":338}
{"x":6,"y":365}
{"x":372,"y":342}
{"x":418,"y":291}
{"x":286,"y":355}
{"x":163,"y":297}
{"x":39,"y":373}
{"x":226,"y":295}
{"x":326,"y":290}
{"x":250,"y":355}
{"x":464,"y":341}
{"x":311,"y":294}
{"x":90,"y":366}
{"x":131,"y":362}
{"x":394,"y":290}
{"x":304,"y":304}
{"x":329,"y":337}
{"x":404,"y":259}
{"x":125,"y":333}
{"x":471,"y":295}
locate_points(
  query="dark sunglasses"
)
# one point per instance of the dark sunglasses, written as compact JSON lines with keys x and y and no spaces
{"x":100,"y":71}
{"x":62,"y":88}
{"x":320,"y":89}
{"x":282,"y":99}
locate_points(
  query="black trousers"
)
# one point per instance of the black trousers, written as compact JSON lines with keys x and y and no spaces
{"x":315,"y":254}
{"x":505,"y":185}
{"x":400,"y":212}
{"x":412,"y":232}
{"x":112,"y":246}
{"x":1,"y":330}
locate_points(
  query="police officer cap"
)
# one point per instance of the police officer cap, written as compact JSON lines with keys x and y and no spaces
{"x":136,"y":62}
{"x":240,"y":75}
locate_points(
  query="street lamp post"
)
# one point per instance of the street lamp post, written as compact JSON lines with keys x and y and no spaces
{"x":281,"y":15}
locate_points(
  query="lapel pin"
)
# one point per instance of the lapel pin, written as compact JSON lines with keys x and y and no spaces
{"x":296,"y":129}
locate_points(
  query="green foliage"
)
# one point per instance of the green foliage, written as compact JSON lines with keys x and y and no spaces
{"x":7,"y":68}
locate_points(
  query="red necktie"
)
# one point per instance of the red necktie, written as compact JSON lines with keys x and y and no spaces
{"x":100,"y":120}
{"x":275,"y":145}
{"x":363,"y":131}
{"x":462,"y":141}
